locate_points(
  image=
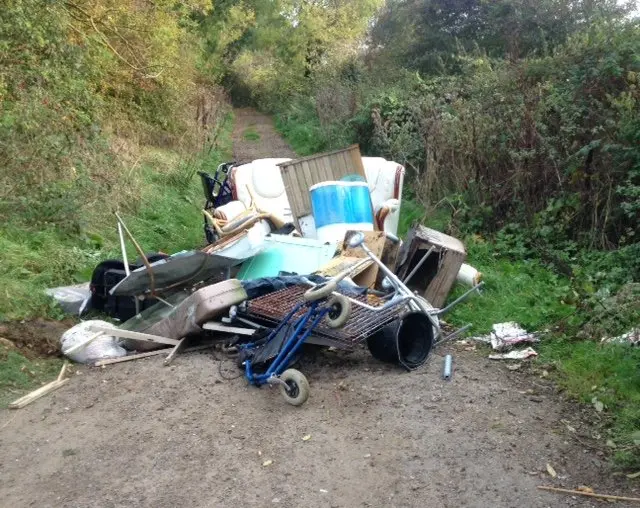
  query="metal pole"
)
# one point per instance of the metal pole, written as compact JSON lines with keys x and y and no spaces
{"x":447,"y":369}
{"x":417,"y":267}
{"x":458,"y":300}
{"x":123,"y":248}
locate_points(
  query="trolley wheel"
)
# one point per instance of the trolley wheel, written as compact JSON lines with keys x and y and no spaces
{"x":320,"y":291}
{"x":296,"y":391}
{"x":339,"y":310}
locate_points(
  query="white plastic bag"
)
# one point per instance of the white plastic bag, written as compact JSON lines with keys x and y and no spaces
{"x":105,"y":346}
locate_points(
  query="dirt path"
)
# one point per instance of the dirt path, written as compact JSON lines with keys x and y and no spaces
{"x":142,"y":435}
{"x":268,"y":143}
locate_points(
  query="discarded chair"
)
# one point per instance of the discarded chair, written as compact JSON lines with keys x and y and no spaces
{"x":217,"y":192}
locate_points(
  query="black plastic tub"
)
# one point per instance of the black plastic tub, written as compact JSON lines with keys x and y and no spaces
{"x":406,"y":342}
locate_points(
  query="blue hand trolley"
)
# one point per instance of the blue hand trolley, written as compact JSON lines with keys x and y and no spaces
{"x":289,"y":336}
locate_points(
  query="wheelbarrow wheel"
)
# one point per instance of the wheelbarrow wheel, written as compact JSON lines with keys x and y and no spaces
{"x":296,"y":388}
{"x":320,"y":291}
{"x":339,"y":310}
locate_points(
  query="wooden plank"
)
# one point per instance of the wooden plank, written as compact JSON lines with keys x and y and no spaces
{"x":440,"y":287}
{"x":341,"y":263}
{"x":129,"y":334}
{"x":174,"y":351}
{"x":84,"y":344}
{"x":36,"y":394}
{"x":63,"y":370}
{"x":214,"y":326}
{"x":316,"y":172}
{"x":137,"y":356}
{"x":307,"y":178}
{"x":345,"y":164}
{"x":375,"y":240}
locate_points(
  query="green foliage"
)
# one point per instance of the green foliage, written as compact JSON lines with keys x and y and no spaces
{"x":523,"y":291}
{"x":435,"y":36}
{"x":302,"y":128}
{"x":271,"y":51}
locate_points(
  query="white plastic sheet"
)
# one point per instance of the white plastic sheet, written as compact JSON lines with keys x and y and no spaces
{"x":105,"y":346}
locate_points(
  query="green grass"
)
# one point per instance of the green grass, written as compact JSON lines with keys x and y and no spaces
{"x":163,"y":211}
{"x":163,"y":215}
{"x":610,"y":374}
{"x":251,"y":134}
{"x":18,"y":375}
{"x":540,"y":300}
{"x":301,"y":128}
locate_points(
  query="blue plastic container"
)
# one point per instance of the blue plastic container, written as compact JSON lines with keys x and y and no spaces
{"x":339,"y":207}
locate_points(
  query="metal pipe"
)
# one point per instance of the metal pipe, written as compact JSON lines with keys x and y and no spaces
{"x":453,"y":335}
{"x":447,"y":369}
{"x":124,"y":250}
{"x":417,"y":267}
{"x":458,"y":300}
{"x":125,"y":260}
{"x":152,"y":277}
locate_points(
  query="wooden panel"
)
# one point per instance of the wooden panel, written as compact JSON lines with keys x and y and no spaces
{"x":441,"y":285}
{"x":451,"y":255}
{"x":375,"y":240}
{"x":300,"y":174}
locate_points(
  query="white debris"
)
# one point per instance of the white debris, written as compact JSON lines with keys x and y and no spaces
{"x":632,"y":338}
{"x":103,"y":347}
{"x":522,"y":354}
{"x":504,"y":336}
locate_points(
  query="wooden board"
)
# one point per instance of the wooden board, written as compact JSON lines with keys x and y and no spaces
{"x":36,"y":394}
{"x":129,"y":334}
{"x":342,"y":263}
{"x":375,"y":241}
{"x":214,"y":326}
{"x":138,"y":356}
{"x":174,"y":352}
{"x":300,"y":174}
{"x":448,"y":253}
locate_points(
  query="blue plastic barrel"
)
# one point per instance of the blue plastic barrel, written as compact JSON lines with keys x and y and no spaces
{"x":339,"y":207}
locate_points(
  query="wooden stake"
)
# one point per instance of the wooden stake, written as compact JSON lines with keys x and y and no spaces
{"x":62,"y":371}
{"x":174,"y":352}
{"x":36,"y":394}
{"x":590,"y":494}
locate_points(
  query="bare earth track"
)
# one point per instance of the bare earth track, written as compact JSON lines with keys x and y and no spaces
{"x":140,"y":434}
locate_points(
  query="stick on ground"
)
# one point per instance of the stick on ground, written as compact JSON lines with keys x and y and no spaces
{"x":62,"y":371}
{"x":590,"y":494}
{"x":179,"y":346}
{"x":36,"y":394}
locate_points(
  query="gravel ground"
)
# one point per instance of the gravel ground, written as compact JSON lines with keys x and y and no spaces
{"x":140,"y":434}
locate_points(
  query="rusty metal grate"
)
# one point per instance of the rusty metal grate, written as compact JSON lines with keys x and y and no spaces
{"x":362,"y":322}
